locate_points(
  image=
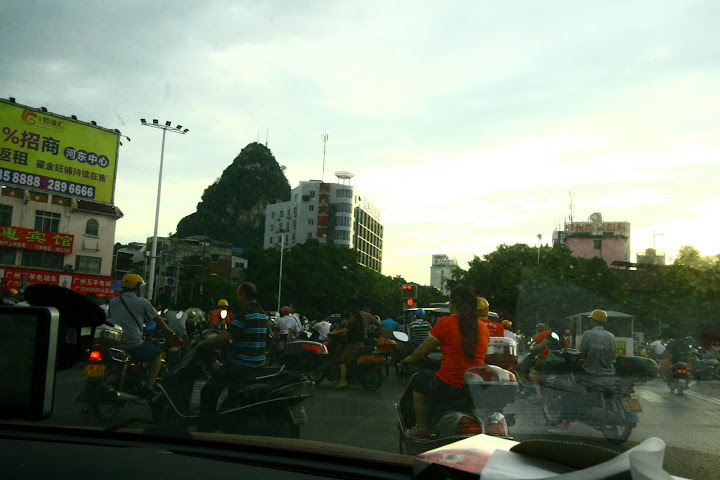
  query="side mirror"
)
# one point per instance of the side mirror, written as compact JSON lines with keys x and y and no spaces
{"x":555,"y":336}
{"x":223,"y":314}
{"x":401,"y":337}
{"x":179,"y":315}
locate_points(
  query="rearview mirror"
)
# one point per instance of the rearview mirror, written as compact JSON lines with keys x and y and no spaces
{"x":179,"y":315}
{"x":401,"y":336}
{"x":555,"y":336}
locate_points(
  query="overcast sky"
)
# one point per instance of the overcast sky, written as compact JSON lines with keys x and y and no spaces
{"x":465,"y":123}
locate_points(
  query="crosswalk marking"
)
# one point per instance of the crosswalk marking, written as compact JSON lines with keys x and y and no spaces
{"x":650,"y":396}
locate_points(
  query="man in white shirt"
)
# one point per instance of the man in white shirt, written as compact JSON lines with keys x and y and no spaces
{"x":322,"y":328}
{"x":657,"y":347}
{"x":289,"y":324}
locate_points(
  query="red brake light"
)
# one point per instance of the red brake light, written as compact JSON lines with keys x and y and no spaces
{"x":496,"y":428}
{"x":680,"y":370}
{"x":320,"y":349}
{"x":95,"y":356}
{"x":469,"y":426}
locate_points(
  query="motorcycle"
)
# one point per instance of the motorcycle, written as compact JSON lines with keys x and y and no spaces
{"x":489,"y":389}
{"x":677,"y":376}
{"x":702,"y":368}
{"x":270,"y":403}
{"x":113,"y":377}
{"x":368,"y":369}
{"x":606,"y":403}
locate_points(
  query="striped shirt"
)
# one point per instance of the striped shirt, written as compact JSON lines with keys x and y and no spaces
{"x":247,"y":346}
{"x":419,"y":330}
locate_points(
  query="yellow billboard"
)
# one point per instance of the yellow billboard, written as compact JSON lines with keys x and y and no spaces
{"x":43,"y":151}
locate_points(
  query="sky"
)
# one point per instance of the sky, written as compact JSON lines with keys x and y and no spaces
{"x":467,"y":124}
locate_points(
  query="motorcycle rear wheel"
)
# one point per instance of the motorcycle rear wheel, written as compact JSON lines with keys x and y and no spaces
{"x":101,"y":407}
{"x":372,"y":379}
{"x":621,"y":432}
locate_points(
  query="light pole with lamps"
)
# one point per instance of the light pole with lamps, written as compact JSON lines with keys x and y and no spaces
{"x":165,"y":128}
{"x":282,"y":249}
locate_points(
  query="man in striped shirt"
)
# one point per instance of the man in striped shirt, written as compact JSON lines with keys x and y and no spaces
{"x":418,"y":329}
{"x":245,"y":337}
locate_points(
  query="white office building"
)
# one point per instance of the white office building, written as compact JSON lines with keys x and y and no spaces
{"x":440,"y":270}
{"x":333,"y":213}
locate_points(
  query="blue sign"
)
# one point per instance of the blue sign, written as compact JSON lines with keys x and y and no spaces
{"x":116,"y":286}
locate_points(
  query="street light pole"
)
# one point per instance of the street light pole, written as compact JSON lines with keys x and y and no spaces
{"x":282,"y":249}
{"x":539,"y":236}
{"x":153,"y":252}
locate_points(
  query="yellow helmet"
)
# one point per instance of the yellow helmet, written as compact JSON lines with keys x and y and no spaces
{"x":483,"y":307}
{"x":132,"y":280}
{"x":599,"y":315}
{"x":506,"y":323}
{"x":222,"y":303}
{"x":13,"y":292}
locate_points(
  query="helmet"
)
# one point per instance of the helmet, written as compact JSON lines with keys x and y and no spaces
{"x":567,"y":332}
{"x":506,"y":323}
{"x":13,"y":292}
{"x":285,"y":310}
{"x":419,"y":312}
{"x":222,"y":303}
{"x":482,"y":306}
{"x":599,"y":315}
{"x":132,"y":281}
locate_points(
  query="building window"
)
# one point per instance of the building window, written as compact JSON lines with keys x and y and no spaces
{"x":311,"y":208}
{"x":48,"y":221}
{"x":295,"y":211}
{"x":279,"y":238}
{"x":342,"y":221}
{"x":272,"y":214}
{"x":92,"y":227}
{"x":287,"y":225}
{"x":597,"y":244}
{"x":31,"y":258}
{"x":344,"y":207}
{"x":214,"y":258}
{"x":309,"y":235}
{"x":8,"y":256}
{"x":296,"y":198}
{"x":88,"y":264}
{"x":5,"y":215}
{"x":341,"y":192}
{"x":294,"y":224}
{"x":281,"y":213}
{"x":311,"y":221}
{"x":270,"y":240}
{"x":293,"y":237}
{"x":271,"y":227}
{"x":312,"y":194}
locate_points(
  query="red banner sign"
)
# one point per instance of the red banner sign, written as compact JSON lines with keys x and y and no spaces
{"x":18,"y":278}
{"x":39,"y":240}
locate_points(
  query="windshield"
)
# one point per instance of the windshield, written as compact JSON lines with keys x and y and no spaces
{"x":353,"y":160}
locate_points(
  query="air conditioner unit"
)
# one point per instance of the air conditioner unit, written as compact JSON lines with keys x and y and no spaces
{"x":69,"y":268}
{"x":73,"y":203}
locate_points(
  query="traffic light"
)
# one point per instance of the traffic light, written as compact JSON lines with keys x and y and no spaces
{"x":409,"y":302}
{"x":409,"y":290}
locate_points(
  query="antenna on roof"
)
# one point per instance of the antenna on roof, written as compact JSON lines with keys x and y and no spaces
{"x":572,"y":196}
{"x":324,"y":138}
{"x":267,"y":134}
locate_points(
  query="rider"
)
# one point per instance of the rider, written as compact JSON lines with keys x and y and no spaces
{"x":507,"y":326}
{"x":246,"y":340}
{"x":598,"y":349}
{"x":289,"y":324}
{"x":419,"y":329}
{"x":129,"y":311}
{"x":463,"y":341}
{"x":215,"y":315}
{"x":354,"y":345}
{"x":542,"y":343}
{"x":495,"y":328}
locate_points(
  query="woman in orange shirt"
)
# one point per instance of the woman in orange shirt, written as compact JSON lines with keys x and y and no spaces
{"x":463,"y":341}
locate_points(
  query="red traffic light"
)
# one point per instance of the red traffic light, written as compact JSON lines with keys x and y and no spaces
{"x":409,"y":302}
{"x":409,"y":290}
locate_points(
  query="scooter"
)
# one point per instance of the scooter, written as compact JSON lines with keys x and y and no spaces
{"x":677,"y":375}
{"x":489,"y":389}
{"x":270,"y":403}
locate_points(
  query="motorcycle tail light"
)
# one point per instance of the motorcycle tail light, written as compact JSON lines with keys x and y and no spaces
{"x":680,"y":370}
{"x":496,"y":428}
{"x":95,"y":356}
{"x":320,"y":349}
{"x":135,"y":366}
{"x":469,"y":426}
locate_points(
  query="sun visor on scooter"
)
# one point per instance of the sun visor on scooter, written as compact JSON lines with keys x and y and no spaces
{"x":78,"y":318}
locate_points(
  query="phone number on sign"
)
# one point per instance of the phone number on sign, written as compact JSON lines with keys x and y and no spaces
{"x":44,"y":183}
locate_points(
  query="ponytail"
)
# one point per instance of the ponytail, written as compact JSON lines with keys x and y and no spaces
{"x":465,"y":302}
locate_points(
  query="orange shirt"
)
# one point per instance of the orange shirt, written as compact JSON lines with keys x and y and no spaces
{"x":496,"y":329}
{"x":454,"y":364}
{"x":539,"y":338}
{"x":215,"y":317}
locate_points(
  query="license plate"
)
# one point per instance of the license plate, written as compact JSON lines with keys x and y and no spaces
{"x":632,"y":405}
{"x":298,"y":415}
{"x":94,"y":371}
{"x":163,"y":354}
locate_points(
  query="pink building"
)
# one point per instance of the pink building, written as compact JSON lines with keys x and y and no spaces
{"x":595,"y":238}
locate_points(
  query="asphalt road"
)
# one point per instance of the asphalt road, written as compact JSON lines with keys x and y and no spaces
{"x":689,"y":424}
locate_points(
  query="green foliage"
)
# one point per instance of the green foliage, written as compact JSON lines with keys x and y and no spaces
{"x":233,"y":208}
{"x":685,"y":295}
{"x":322,"y":279}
